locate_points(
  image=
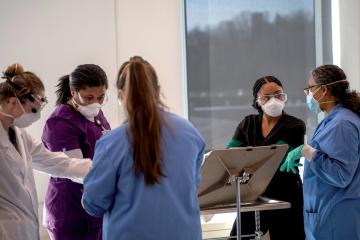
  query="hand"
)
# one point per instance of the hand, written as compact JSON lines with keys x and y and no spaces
{"x":290,"y":161}
{"x":308,"y":152}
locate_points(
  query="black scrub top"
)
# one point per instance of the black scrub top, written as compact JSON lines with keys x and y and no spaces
{"x":284,"y":223}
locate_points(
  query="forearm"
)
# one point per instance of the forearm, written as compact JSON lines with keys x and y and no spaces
{"x":58,"y":164}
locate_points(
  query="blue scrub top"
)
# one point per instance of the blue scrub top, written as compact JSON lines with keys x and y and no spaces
{"x":332,"y":178}
{"x":133,"y":210}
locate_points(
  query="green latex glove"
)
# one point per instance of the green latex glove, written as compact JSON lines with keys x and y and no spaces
{"x":290,"y":161}
{"x":234,"y":143}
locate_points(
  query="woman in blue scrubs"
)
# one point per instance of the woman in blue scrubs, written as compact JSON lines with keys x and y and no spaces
{"x":332,"y":170}
{"x":146,"y":173}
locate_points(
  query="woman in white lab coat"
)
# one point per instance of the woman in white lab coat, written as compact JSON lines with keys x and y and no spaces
{"x":21,"y":101}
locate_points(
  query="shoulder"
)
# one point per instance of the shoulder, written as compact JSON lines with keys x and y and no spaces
{"x":64,"y":115}
{"x":117,"y":136}
{"x":249,"y":120}
{"x":181,"y":125}
{"x":293,"y":122}
{"x":63,"y":111}
{"x":113,"y":147}
{"x":345,"y":117}
{"x":173,"y":119}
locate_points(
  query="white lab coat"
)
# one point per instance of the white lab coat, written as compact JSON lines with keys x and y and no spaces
{"x":18,"y":198}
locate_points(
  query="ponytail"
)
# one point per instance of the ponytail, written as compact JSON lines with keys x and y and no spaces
{"x":144,"y":118}
{"x":85,"y":75}
{"x":351,"y":100}
{"x":63,"y":92}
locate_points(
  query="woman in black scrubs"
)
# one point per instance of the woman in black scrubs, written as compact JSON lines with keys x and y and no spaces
{"x":273,"y":126}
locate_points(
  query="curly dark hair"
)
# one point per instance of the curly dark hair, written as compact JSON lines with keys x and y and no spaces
{"x":340,"y":91}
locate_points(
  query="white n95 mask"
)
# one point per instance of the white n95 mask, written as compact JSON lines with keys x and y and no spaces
{"x":273,"y":107}
{"x":26,"y":119}
{"x":89,"y":111}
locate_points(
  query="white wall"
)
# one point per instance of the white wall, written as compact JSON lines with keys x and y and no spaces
{"x":350,"y":40}
{"x":51,"y":37}
{"x":152,"y":29}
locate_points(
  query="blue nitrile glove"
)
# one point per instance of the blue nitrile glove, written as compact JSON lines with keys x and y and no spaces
{"x":290,"y":161}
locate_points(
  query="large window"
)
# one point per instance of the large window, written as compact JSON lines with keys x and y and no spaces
{"x":232,"y":43}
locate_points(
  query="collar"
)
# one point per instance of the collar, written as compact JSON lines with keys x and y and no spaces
{"x":333,"y":113}
{"x":4,"y":137}
{"x":328,"y":118}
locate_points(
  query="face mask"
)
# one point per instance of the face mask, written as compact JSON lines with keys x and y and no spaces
{"x":89,"y":111}
{"x":312,"y":103}
{"x":273,"y":107}
{"x":26,"y":119}
{"x":122,"y":112}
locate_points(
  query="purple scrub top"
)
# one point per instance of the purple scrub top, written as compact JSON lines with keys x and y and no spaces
{"x":66,"y":129}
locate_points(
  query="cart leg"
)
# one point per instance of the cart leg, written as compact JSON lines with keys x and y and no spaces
{"x":258,"y":232}
{"x":238,"y":208}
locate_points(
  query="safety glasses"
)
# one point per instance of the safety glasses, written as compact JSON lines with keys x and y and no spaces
{"x":37,"y":101}
{"x":263,"y":99}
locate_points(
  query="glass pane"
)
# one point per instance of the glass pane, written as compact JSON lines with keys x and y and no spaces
{"x":232,"y":43}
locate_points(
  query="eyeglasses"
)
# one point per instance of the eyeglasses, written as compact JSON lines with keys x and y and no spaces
{"x":307,"y":90}
{"x":263,"y":99}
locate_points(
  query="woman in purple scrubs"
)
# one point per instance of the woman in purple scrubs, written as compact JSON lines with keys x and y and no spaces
{"x":74,"y":127}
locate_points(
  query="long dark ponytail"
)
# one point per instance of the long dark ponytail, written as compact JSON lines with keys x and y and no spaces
{"x":63,"y":92}
{"x":139,"y":81}
{"x":340,"y":90}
